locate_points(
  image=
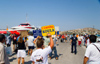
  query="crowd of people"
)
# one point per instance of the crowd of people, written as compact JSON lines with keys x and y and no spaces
{"x":46,"y":45}
{"x":92,"y":44}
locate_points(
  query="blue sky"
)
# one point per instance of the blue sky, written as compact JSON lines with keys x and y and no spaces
{"x":67,"y":14}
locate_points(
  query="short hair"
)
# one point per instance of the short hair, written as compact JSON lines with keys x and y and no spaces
{"x":73,"y":34}
{"x":92,"y":38}
{"x":2,"y":36}
{"x":39,"y":43}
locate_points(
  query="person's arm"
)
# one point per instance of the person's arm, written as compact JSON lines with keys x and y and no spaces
{"x":35,"y":40}
{"x":51,"y":41}
{"x":33,"y":62}
{"x":85,"y":60}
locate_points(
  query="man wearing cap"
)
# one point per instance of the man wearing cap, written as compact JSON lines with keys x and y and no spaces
{"x":73,"y":43}
{"x":92,"y":54}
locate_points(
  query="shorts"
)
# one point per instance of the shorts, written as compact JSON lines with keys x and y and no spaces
{"x":21,"y":53}
{"x":31,"y":47}
{"x":14,"y":42}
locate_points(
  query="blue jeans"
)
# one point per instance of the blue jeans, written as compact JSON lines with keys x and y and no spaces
{"x":75,"y":49}
{"x":55,"y":52}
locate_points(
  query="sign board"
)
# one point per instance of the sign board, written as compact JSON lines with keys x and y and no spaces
{"x":57,"y":33}
{"x":37,"y":33}
{"x":56,"y":28}
{"x":48,"y":29}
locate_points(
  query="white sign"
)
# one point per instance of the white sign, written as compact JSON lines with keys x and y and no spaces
{"x":56,"y":28}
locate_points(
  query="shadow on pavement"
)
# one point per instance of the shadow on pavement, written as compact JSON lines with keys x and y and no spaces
{"x":11,"y":60}
{"x":29,"y":62}
{"x":54,"y":56}
{"x":60,"y":55}
{"x":57,"y":44}
{"x":13,"y":54}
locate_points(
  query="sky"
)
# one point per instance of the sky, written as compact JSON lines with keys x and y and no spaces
{"x":67,"y":14}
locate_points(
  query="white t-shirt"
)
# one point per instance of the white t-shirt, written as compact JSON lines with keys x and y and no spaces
{"x":30,"y":41}
{"x":79,"y":38}
{"x":41,"y":54}
{"x":92,"y":52}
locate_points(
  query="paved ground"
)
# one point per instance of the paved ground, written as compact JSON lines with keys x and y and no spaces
{"x":64,"y":53}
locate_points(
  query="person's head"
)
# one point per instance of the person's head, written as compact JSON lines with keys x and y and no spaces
{"x":40,"y":43}
{"x":74,"y":34}
{"x":30,"y":33}
{"x":92,"y":38}
{"x":2,"y":38}
{"x":14,"y":34}
{"x":20,"y":40}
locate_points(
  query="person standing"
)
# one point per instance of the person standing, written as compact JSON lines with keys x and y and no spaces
{"x":92,"y":54}
{"x":73,"y":43}
{"x":66,"y":38}
{"x":40,"y":56}
{"x":30,"y":42}
{"x":63,"y":38}
{"x":46,"y":41}
{"x":8,"y":42}
{"x":3,"y":55}
{"x":21,"y":49}
{"x":79,"y":40}
{"x":14,"y":42}
{"x":54,"y":48}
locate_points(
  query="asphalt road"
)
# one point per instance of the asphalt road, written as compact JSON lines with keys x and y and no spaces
{"x":64,"y":53}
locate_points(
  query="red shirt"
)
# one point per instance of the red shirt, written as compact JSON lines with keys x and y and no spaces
{"x":63,"y":36}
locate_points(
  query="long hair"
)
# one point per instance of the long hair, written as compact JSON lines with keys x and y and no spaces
{"x":20,"y":40}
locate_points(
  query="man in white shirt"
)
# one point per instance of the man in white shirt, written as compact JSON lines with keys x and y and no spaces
{"x":92,"y":54}
{"x":3,"y":55}
{"x":30,"y":42}
{"x":40,"y":56}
